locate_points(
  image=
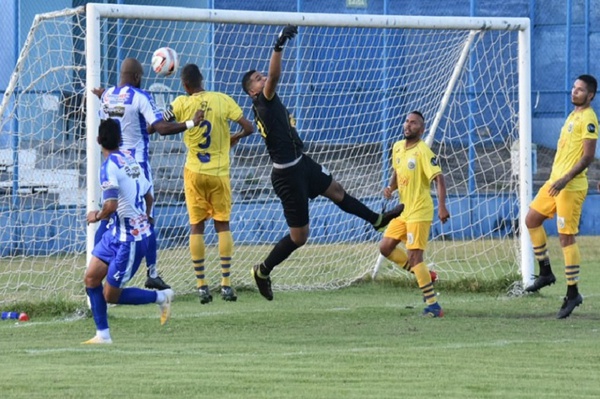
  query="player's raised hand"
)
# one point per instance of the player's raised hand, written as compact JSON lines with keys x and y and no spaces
{"x":97,"y":91}
{"x":287,"y":33}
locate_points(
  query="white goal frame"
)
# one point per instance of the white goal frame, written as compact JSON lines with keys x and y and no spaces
{"x":522,"y":25}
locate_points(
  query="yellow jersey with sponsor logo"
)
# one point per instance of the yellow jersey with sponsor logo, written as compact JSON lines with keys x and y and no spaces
{"x":580,"y":125}
{"x":415,"y":168}
{"x":208,"y":144}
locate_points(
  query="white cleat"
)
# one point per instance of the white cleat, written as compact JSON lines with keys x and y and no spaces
{"x":97,"y":340}
{"x":165,"y":307}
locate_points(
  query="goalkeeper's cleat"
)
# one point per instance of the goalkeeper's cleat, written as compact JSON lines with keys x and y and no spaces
{"x":97,"y":340}
{"x":568,"y":306}
{"x":386,"y":217}
{"x":263,"y":284}
{"x":434,"y":310}
{"x":165,"y":306}
{"x":204,"y":294}
{"x":228,"y":294}
{"x":156,"y":283}
{"x":541,"y":282}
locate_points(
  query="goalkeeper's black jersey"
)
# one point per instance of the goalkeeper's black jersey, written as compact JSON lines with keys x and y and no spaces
{"x":277,"y":127}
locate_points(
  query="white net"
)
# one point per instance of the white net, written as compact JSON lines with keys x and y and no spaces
{"x":349,"y":89}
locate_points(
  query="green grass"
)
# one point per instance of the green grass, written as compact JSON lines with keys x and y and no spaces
{"x":365,"y":341}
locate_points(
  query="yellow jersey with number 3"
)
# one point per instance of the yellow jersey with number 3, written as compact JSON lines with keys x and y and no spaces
{"x":208,"y":144}
{"x":580,"y":125}
{"x":415,"y":168}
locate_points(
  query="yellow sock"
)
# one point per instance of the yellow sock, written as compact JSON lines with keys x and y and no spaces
{"x":400,"y":258}
{"x":424,"y":280}
{"x":538,"y":241}
{"x":225,"y":254}
{"x":197,"y":250}
{"x":572,"y":261}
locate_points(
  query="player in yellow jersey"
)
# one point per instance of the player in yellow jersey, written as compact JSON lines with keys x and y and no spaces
{"x":206,"y":172}
{"x":415,"y":167}
{"x":564,"y":192}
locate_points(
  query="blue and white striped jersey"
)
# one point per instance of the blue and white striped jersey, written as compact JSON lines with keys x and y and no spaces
{"x":122,"y":179}
{"x":134,"y":108}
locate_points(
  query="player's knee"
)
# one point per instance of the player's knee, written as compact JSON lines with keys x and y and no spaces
{"x":566,"y":239}
{"x":385,"y":248}
{"x":300,"y":240}
{"x":335,"y":192}
{"x":415,"y":257}
{"x":533,"y":219}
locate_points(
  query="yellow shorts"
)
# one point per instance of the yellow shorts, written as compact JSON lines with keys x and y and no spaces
{"x":567,"y":206}
{"x":415,"y":235}
{"x":207,"y":196}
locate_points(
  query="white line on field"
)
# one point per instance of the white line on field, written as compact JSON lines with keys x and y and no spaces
{"x":386,"y":350}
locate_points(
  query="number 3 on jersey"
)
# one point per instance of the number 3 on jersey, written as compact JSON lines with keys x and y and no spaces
{"x":203,"y":156}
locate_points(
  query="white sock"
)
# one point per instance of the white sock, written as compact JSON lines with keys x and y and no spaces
{"x":152,"y":271}
{"x":160,"y":297}
{"x":104,"y":334}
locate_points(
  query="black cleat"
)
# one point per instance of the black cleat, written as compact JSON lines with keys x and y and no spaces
{"x":541,"y":282}
{"x":156,"y":283}
{"x":263,"y":284}
{"x":386,"y":217}
{"x":228,"y":294}
{"x":568,"y":306}
{"x":204,"y":294}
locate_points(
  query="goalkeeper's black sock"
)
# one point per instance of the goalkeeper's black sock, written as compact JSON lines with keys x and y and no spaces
{"x":278,"y":254}
{"x":353,"y":206}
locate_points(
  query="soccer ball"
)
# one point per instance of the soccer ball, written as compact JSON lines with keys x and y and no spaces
{"x":165,"y":61}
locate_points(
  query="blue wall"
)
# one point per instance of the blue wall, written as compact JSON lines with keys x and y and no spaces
{"x":51,"y":231}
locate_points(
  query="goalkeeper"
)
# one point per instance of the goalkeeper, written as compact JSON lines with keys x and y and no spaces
{"x":295,"y":176}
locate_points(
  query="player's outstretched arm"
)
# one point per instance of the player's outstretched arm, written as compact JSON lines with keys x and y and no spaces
{"x":168,"y":126}
{"x":287,"y":33}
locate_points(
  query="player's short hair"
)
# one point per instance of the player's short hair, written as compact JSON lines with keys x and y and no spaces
{"x":591,"y":83}
{"x":246,"y":80}
{"x":109,"y":134}
{"x":418,"y":113}
{"x":191,"y":75}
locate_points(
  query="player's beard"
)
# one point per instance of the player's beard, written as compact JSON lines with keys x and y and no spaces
{"x":408,"y":135}
{"x":577,"y":103}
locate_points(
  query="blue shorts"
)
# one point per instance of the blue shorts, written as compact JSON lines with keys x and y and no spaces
{"x":123,"y":258}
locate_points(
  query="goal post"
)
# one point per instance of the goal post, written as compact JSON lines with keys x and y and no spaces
{"x":349,"y":81}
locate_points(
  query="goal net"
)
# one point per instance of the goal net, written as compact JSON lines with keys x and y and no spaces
{"x":349,"y":81}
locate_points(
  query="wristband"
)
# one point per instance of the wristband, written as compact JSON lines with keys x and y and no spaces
{"x":96,"y":216}
{"x":189,"y":124}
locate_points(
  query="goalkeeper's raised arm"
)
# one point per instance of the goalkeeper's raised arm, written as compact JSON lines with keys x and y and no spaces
{"x":287,"y":33}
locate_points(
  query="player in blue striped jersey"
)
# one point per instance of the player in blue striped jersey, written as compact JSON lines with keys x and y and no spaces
{"x":127,"y":199}
{"x":135,"y":110}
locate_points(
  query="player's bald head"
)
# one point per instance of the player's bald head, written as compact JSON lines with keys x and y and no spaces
{"x":132,"y":66}
{"x":131,"y":72}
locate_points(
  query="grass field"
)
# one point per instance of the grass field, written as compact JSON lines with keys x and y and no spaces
{"x":365,"y":341}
